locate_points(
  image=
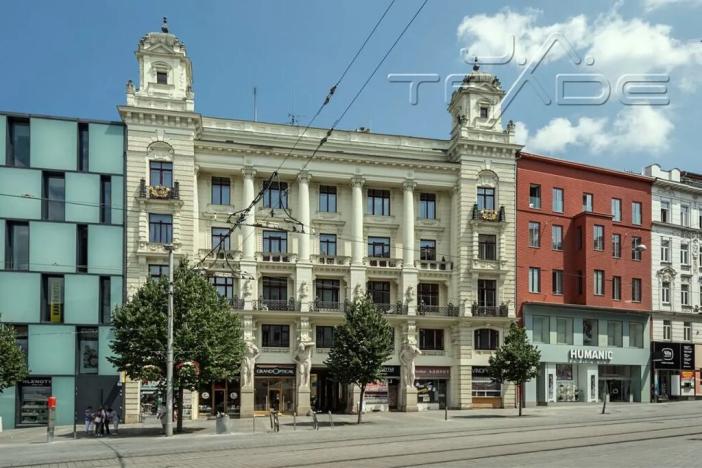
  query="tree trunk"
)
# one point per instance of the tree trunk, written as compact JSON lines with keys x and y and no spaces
{"x":179,"y":413}
{"x":360,"y":403}
{"x":519,"y":398}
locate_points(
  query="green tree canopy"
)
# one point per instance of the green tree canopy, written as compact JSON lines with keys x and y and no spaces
{"x":207,"y":337}
{"x":361,"y":345}
{"x":516,"y":360}
{"x":13,"y":365}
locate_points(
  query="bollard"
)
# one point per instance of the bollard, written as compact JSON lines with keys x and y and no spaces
{"x":331,"y":422}
{"x":52,"y":419}
{"x":222,"y":424}
{"x":276,"y":421}
{"x":270,"y":416}
{"x":294,"y":421}
{"x":254,"y":422}
{"x":315,"y":421}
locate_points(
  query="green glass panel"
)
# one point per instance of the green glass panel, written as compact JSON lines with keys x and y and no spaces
{"x":81,"y":299}
{"x":20,"y":295}
{"x":54,"y":144}
{"x":2,"y":243}
{"x":106,"y":148}
{"x":52,"y":247}
{"x":104,"y":250}
{"x":117,"y":200}
{"x":7,"y":408}
{"x":63,"y":388}
{"x":105,"y":338}
{"x":24,"y":189}
{"x":115,"y":292}
{"x":82,"y":197}
{"x":3,"y":141}
{"x":52,"y":349}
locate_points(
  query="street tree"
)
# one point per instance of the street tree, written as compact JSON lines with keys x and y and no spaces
{"x":515,"y":361}
{"x":361,"y":345}
{"x":13,"y":363}
{"x":207,"y":335}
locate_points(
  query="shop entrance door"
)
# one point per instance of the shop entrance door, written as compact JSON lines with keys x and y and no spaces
{"x":220,"y":401}
{"x":275,"y":398}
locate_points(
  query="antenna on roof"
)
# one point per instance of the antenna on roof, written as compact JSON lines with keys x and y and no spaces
{"x":255,"y":110}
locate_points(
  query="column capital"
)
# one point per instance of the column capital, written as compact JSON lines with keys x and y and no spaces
{"x":304,"y":176}
{"x":248,"y":171}
{"x":409,"y":184}
{"x":358,"y":181}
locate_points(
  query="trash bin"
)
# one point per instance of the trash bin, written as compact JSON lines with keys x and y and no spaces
{"x":222,"y":423}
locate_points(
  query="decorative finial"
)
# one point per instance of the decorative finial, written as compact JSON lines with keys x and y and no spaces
{"x":476,"y":67}
{"x":164,"y":26}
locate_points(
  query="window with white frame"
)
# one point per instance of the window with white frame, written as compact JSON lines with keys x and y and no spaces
{"x":617,"y":288}
{"x":687,"y":331}
{"x":557,"y":281}
{"x":667,"y":330}
{"x":616,"y":209}
{"x":636,"y":249}
{"x":685,"y":294}
{"x":636,"y":213}
{"x":557,"y":201}
{"x":557,"y":237}
{"x":665,"y":250}
{"x":534,"y":234}
{"x":665,"y":292}
{"x":534,"y":279}
{"x":636,"y":289}
{"x":599,"y":282}
{"x":616,"y":245}
{"x":685,"y":254}
{"x":535,"y":196}
{"x":587,"y":202}
{"x":665,"y":211}
{"x":598,"y":237}
{"x":684,"y":215}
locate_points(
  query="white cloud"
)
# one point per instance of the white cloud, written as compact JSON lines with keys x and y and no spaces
{"x":521,"y":133}
{"x":650,"y":5}
{"x":634,"y":129}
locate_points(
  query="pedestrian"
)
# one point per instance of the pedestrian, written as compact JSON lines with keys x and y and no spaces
{"x":163,"y":417}
{"x":115,"y":419}
{"x":98,"y":419}
{"x":88,"y":418}
{"x":106,"y":421}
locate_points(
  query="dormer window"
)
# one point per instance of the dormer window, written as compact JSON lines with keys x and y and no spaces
{"x":483,"y":112}
{"x":162,"y":77}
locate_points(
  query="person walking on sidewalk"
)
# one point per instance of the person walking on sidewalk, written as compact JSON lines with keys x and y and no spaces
{"x":88,"y":418}
{"x":105,"y":421}
{"x":114,"y":419}
{"x":99,"y":420}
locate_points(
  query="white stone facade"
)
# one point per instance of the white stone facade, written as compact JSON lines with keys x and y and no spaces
{"x":675,"y":253}
{"x":162,"y":126}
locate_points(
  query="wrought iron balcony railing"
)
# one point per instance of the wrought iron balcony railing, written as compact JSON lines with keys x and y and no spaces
{"x":159,"y":192}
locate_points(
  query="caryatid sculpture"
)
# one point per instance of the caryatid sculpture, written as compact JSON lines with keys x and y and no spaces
{"x":303,"y":358}
{"x":248,"y":363}
{"x":407,"y":357}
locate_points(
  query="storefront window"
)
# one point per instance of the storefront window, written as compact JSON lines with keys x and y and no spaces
{"x":482,"y":384}
{"x":88,"y":350}
{"x":541,"y":329}
{"x":635,"y":335}
{"x":590,"y":332}
{"x":431,"y":391}
{"x":274,"y":394}
{"x":564,"y":331}
{"x":614,"y":333}
{"x":566,"y":384}
{"x":33,"y":401}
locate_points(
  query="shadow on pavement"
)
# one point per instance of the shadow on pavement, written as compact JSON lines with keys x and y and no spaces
{"x":493,"y":416}
{"x":133,"y":432}
{"x":323,"y":424}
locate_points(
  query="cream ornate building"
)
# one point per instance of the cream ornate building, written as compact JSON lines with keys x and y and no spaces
{"x":424,"y":226}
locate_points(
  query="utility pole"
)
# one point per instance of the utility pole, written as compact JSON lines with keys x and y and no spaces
{"x":169,"y":355}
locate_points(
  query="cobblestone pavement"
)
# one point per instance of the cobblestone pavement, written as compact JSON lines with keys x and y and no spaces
{"x":644,"y":435}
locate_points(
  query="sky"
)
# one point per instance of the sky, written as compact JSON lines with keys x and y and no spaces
{"x":73,"y":58}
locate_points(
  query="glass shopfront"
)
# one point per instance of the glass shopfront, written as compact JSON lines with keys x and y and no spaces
{"x":431,"y":383}
{"x":33,"y":395}
{"x":274,"y":388}
{"x":220,"y":397}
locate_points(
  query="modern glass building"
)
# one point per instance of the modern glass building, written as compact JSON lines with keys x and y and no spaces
{"x":62,"y":262}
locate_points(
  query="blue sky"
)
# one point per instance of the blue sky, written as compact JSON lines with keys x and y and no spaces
{"x":74,"y":57}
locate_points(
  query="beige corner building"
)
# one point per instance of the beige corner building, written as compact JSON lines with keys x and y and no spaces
{"x":426,"y":227}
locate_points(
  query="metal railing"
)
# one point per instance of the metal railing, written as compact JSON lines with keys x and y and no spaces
{"x":445,"y":311}
{"x":489,"y":311}
{"x":277,"y":304}
{"x":333,"y":306}
{"x":237,"y":302}
{"x":159,"y":192}
{"x":488,"y":215}
{"x":392,"y":309}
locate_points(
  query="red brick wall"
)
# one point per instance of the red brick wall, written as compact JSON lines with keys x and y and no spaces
{"x":576,"y":179}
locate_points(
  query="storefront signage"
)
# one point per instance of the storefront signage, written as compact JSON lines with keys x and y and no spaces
{"x":674,"y":356}
{"x":390,"y":371}
{"x":263,"y":370}
{"x":431,"y":372}
{"x":591,"y":354}
{"x":37,"y":382}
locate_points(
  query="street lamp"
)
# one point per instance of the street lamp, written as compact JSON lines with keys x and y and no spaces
{"x":169,"y":352}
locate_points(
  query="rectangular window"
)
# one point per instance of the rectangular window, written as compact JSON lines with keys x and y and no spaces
{"x":636,"y":213}
{"x":224,"y":286}
{"x":327,"y":245}
{"x":427,"y":206}
{"x":534,"y":234}
{"x":616,"y":209}
{"x":275,"y":195}
{"x":487,"y":293}
{"x":557,"y":237}
{"x":483,"y":112}
{"x":535,"y":196}
{"x":87,"y":350}
{"x":590,"y":332}
{"x":564,"y":331}
{"x":685,"y":254}
{"x":587,"y":202}
{"x":617,"y":288}
{"x":105,"y":299}
{"x":327,"y":198}
{"x":431,"y":338}
{"x":557,"y":281}
{"x":599,"y":283}
{"x":534,"y":280}
{"x":160,"y":228}
{"x":221,"y":239}
{"x":667,"y":330}
{"x":665,"y":250}
{"x":379,"y":292}
{"x":665,"y":292}
{"x":275,"y":336}
{"x":327,"y":291}
{"x":685,"y":215}
{"x":22,"y":340}
{"x":486,"y":198}
{"x":324,"y":336}
{"x":275,"y":289}
{"x":275,"y":242}
{"x":487,"y":247}
{"x":54,"y":197}
{"x":378,"y":202}
{"x":158,"y":271}
{"x":18,"y":142}
{"x":82,"y":248}
{"x":427,"y":250}
{"x":557,"y":201}
{"x":614,"y":333}
{"x":221,"y":191}
{"x":598,"y":237}
{"x":665,"y":211}
{"x":636,"y":289}
{"x":616,"y":245}
{"x":427,"y":294}
{"x":687,"y":331}
{"x":162,"y":77}
{"x":105,"y":199}
{"x":542,"y":330}
{"x":53,"y":294}
{"x":636,"y":335}
{"x":379,"y":247}
{"x":635,"y":248}
{"x":161,"y":173}
{"x":83,"y":147}
{"x":685,"y":294}
{"x":17,"y":246}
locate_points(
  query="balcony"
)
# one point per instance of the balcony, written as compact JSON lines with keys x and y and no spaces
{"x":159,"y":192}
{"x":290,"y":305}
{"x":276,"y":257}
{"x":329,"y":306}
{"x":383,"y":262}
{"x":489,"y":311}
{"x":441,"y":311}
{"x":236,"y":303}
{"x":392,"y":309}
{"x":434,"y":265}
{"x":491,"y":216}
{"x":327,"y":260}
{"x":221,"y":254}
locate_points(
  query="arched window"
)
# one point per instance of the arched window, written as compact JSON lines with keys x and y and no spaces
{"x":486,"y":339}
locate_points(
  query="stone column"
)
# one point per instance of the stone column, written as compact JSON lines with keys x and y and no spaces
{"x":248,"y":231}
{"x":248,"y":365}
{"x":454,"y":234}
{"x":358,"y":271}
